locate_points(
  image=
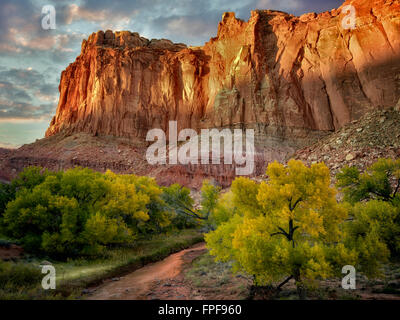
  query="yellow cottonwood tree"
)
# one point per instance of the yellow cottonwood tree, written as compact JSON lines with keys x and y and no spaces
{"x":287,"y":227}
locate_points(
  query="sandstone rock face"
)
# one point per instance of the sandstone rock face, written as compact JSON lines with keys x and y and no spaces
{"x":292,"y":79}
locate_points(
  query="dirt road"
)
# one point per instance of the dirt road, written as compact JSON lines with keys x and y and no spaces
{"x":137,"y":285}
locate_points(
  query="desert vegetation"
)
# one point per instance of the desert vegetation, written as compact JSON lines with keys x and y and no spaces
{"x":295,"y":227}
{"x":80,"y":212}
{"x":90,"y":225}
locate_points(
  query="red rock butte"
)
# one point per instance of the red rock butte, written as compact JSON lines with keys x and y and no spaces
{"x":287,"y":77}
{"x":292,"y":79}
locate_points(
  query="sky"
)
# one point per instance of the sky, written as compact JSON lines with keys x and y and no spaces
{"x":32,"y":58}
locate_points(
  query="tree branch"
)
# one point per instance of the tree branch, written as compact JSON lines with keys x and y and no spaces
{"x":284,"y":232}
{"x":291,"y":208}
{"x":277,"y":233}
{"x":284,"y":282}
{"x":385,"y":197}
{"x":192,"y":213}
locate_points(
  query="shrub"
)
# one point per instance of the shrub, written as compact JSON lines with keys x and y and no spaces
{"x":378,"y":217}
{"x":375,"y":197}
{"x":380,"y":181}
{"x":81,"y":211}
{"x":178,"y":200}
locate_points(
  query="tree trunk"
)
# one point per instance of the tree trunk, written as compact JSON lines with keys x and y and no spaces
{"x":301,"y":291}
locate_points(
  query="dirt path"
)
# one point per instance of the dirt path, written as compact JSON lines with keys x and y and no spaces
{"x":166,"y":280}
{"x":137,"y":285}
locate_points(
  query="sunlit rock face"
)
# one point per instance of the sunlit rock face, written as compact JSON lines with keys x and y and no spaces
{"x":290,"y":78}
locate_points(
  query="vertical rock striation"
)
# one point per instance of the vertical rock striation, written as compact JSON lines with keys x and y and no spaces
{"x":290,"y":78}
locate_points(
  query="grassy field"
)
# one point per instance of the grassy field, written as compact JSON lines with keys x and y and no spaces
{"x":22,"y":279}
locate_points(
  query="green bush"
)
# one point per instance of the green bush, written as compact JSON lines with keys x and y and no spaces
{"x":380,"y":181}
{"x":80,"y":211}
{"x":378,"y":218}
{"x":374,"y":195}
{"x":29,"y":178}
{"x":179,"y":201}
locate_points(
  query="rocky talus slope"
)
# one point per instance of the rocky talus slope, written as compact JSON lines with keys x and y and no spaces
{"x":360,"y":143}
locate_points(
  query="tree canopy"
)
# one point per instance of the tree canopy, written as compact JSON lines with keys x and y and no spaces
{"x":290,"y":226}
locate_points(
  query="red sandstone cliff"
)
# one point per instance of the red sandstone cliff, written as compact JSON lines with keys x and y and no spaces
{"x":292,"y":79}
{"x":280,"y":74}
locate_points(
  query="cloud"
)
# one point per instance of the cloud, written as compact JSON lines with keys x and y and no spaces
{"x":190,"y":30}
{"x":30,"y":80}
{"x":191,"y":26}
{"x":11,"y":93}
{"x":16,"y":110}
{"x":76,"y":13}
{"x":24,"y":93}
